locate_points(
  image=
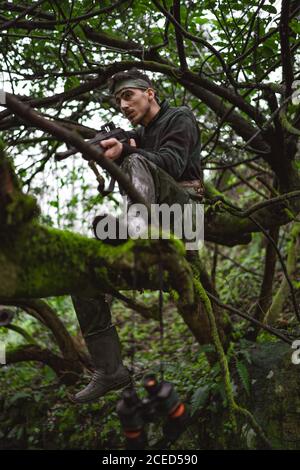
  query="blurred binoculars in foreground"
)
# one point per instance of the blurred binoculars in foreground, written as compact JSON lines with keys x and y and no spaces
{"x":162,"y":401}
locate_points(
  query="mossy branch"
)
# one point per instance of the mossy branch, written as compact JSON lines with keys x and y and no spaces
{"x":234,"y":408}
{"x":16,"y":208}
{"x":38,"y":261}
{"x":283,"y":291}
{"x":287,"y":125}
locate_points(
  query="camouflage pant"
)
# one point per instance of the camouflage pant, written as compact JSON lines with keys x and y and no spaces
{"x":156,"y":186}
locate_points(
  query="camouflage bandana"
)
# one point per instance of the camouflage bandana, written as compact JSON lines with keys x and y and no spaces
{"x":131,"y":83}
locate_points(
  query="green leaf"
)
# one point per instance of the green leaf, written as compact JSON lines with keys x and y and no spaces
{"x":269,"y":9}
{"x":295,"y":26}
{"x":199,"y":399}
{"x":267,"y":51}
{"x":244,"y":375}
{"x":201,"y":20}
{"x":17,"y":396}
{"x":71,"y":82}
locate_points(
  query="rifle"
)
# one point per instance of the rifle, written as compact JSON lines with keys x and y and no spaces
{"x":107,"y":131}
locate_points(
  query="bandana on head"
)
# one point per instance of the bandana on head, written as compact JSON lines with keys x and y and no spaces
{"x":131,"y":83}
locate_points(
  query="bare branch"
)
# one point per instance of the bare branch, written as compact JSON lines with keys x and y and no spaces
{"x":63,"y":368}
{"x":286,"y":56}
{"x":267,"y":328}
{"x":9,"y":24}
{"x":179,"y":40}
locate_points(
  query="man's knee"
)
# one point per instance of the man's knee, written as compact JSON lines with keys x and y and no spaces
{"x":135,"y":160}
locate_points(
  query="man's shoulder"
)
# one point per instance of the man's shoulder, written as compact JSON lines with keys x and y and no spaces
{"x":180,"y":111}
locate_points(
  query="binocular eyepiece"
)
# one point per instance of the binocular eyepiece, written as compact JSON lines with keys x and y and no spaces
{"x":135,"y":414}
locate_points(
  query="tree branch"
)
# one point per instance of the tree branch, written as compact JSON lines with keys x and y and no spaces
{"x":89,"y":152}
{"x":61,"y":367}
{"x":179,"y":40}
{"x":286,"y":56}
{"x":9,"y":24}
{"x":43,"y":312}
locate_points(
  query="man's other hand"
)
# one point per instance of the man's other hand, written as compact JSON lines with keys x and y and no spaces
{"x":113,"y":148}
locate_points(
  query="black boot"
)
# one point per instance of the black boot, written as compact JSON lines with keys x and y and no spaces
{"x":110,"y":373}
{"x":103,"y":344}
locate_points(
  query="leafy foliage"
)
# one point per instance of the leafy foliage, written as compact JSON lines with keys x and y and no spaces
{"x":236,"y":74}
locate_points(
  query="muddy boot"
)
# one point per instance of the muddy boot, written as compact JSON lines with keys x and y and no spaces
{"x":110,"y":373}
{"x":102,"y":341}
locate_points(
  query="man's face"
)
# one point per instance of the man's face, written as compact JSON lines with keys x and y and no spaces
{"x":135,"y":104}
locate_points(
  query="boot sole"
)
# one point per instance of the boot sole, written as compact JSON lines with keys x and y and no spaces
{"x":109,"y":389}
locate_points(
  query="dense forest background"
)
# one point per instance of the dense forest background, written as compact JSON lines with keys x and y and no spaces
{"x":231,"y":316}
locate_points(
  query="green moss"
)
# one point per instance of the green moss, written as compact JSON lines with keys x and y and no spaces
{"x":6,"y":164}
{"x":8,"y":276}
{"x":174,"y":294}
{"x":283,"y":291}
{"x":50,"y":261}
{"x":19,"y":208}
{"x":234,"y":408}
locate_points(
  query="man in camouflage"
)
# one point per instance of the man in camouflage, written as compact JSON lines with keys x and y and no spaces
{"x":162,"y":161}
